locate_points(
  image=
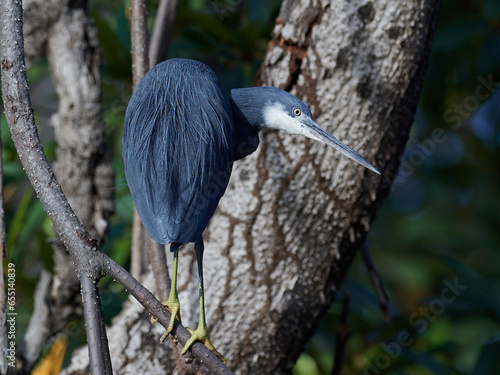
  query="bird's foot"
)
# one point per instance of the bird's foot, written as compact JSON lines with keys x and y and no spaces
{"x":174,"y":307}
{"x":201,"y":334}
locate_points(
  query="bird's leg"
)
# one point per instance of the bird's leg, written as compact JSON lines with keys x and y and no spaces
{"x":172,"y":303}
{"x":201,"y":333}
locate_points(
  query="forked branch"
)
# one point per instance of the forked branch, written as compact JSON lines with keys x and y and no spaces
{"x":90,"y":263}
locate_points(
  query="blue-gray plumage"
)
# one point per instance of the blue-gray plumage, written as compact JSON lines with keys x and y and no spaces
{"x":177,"y":149}
{"x":180,"y":139}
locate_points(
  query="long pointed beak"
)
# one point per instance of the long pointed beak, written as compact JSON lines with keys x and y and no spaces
{"x":314,"y":131}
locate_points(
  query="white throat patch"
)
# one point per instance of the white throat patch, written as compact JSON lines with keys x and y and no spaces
{"x":276,"y":117}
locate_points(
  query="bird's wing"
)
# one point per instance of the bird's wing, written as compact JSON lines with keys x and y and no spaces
{"x":177,"y":150}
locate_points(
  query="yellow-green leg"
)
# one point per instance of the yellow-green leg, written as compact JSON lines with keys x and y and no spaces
{"x":201,"y":333}
{"x":172,"y":303}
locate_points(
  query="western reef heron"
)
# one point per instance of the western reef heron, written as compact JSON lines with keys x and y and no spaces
{"x":180,"y":139}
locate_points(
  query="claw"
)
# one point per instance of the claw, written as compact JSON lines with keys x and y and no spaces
{"x":164,"y":336}
{"x":175,"y":312}
{"x":201,"y":335}
{"x":173,"y":306}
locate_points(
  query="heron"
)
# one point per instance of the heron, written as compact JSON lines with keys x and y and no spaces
{"x":181,"y":136}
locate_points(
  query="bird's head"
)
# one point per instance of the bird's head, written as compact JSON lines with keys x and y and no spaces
{"x":273,"y":108}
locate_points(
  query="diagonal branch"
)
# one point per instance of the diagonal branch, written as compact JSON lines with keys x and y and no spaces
{"x":82,"y":164}
{"x":376,"y":281}
{"x":148,"y":300}
{"x":90,"y":263}
{"x":20,"y":119}
{"x":343,"y":333}
{"x":19,"y":115}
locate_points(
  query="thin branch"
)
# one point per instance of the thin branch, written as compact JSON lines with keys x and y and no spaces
{"x":89,"y":261}
{"x":159,"y":268}
{"x":162,"y":32}
{"x":37,"y":332}
{"x":94,"y":327}
{"x":19,"y":115}
{"x":140,"y":65}
{"x":149,"y":301}
{"x":139,"y":259}
{"x":343,"y":333}
{"x":376,"y":281}
{"x":81,"y":164}
{"x":141,"y":239}
{"x":139,"y":38}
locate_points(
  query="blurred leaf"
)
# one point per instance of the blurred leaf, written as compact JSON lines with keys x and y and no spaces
{"x":16,"y":224}
{"x":306,"y":365}
{"x":428,"y":360}
{"x":51,"y":363}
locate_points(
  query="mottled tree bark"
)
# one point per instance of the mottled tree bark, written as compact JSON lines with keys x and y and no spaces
{"x":83,"y":165}
{"x":295,"y":212}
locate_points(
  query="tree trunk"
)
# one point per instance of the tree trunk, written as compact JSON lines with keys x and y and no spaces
{"x":295,"y":212}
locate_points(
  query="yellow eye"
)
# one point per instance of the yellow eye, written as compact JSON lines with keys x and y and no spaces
{"x":296,"y":112}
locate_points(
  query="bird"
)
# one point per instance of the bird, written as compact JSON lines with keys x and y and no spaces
{"x":181,"y":136}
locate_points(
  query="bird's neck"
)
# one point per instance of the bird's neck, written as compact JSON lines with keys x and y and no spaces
{"x":247,"y":106}
{"x":247,"y":116}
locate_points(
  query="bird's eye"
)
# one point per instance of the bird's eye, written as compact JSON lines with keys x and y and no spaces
{"x":296,"y":112}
